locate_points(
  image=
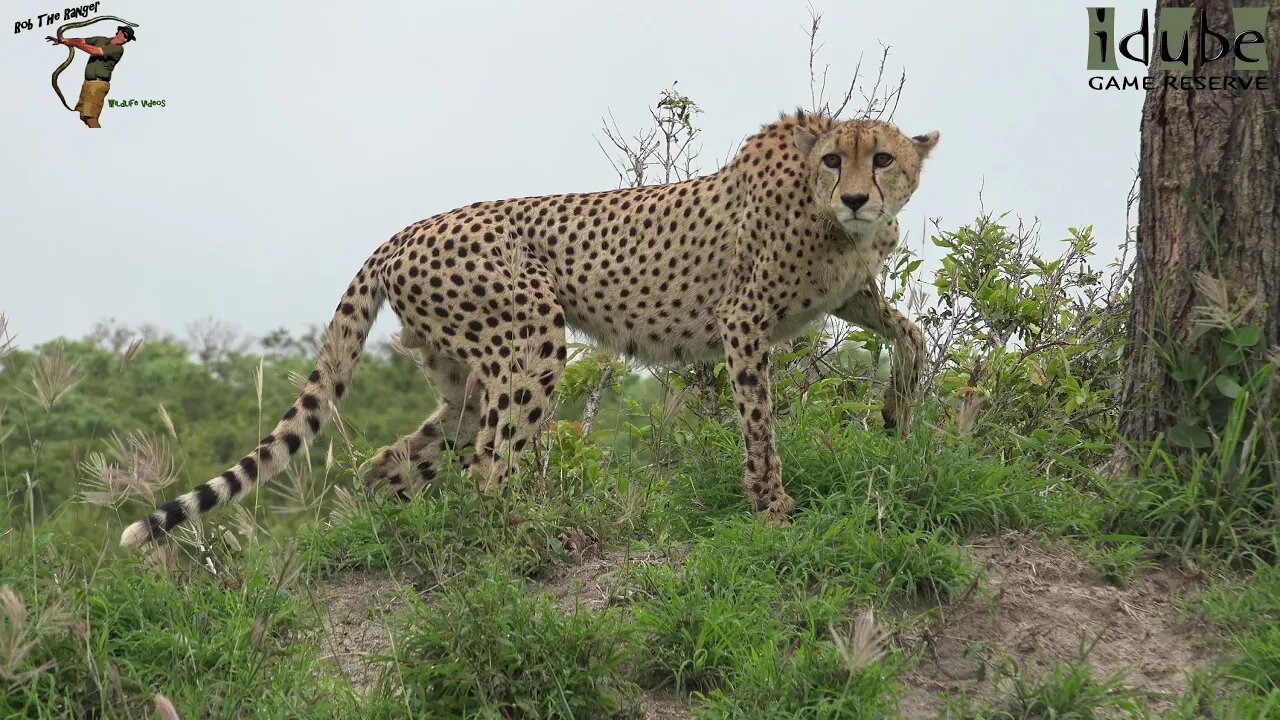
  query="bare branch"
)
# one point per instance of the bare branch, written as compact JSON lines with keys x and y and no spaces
{"x":880,"y":102}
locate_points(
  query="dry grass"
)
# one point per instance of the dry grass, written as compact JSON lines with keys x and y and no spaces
{"x":20,"y":633}
{"x":54,"y":377}
{"x":137,"y":466}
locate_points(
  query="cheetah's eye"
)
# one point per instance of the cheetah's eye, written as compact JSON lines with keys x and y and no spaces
{"x":831,"y":160}
{"x":882,"y":160}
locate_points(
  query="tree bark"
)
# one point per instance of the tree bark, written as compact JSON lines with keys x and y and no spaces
{"x":1209,"y":203}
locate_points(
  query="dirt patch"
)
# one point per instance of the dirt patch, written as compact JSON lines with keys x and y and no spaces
{"x":354,"y":608}
{"x":1033,"y":606}
{"x":665,"y":705}
{"x":590,"y":579}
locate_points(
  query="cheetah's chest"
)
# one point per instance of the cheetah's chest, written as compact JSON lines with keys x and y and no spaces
{"x":828,"y":281}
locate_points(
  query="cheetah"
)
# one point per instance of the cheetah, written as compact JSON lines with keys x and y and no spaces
{"x":796,"y":226}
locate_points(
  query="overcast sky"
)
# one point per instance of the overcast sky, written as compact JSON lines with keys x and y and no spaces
{"x":292,"y":142}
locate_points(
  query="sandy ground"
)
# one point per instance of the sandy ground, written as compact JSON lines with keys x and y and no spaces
{"x":355,"y":607}
{"x":1036,"y":606}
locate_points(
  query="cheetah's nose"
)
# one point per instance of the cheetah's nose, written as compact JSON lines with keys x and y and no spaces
{"x":853,"y":202}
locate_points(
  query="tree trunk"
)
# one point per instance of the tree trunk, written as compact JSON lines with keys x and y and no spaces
{"x":1209,"y":204}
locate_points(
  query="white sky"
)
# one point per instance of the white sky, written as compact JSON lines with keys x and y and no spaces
{"x":294,"y":141}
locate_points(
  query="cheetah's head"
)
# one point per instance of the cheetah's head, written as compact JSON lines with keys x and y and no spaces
{"x":861,"y":172}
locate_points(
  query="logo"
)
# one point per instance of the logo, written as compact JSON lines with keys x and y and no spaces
{"x":101,"y":51}
{"x":1182,"y":64}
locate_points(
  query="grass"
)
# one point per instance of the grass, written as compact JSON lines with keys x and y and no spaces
{"x":104,"y":634}
{"x":753,"y":622}
{"x":1069,"y":691}
{"x":1117,"y":561}
{"x":487,"y":646}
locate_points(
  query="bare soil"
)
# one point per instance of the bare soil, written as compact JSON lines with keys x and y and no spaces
{"x":664,"y":705}
{"x":355,"y":607}
{"x":590,"y":580}
{"x":1037,"y":606}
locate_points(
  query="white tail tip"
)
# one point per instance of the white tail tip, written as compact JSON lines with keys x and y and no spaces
{"x":136,"y":534}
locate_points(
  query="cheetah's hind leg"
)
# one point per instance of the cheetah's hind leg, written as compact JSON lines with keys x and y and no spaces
{"x":411,"y":462}
{"x":519,"y":377}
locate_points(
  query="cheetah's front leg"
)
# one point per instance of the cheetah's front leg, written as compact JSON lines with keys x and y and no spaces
{"x":747,"y":357}
{"x":869,"y":309}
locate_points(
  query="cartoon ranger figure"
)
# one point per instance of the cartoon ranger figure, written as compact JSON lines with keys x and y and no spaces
{"x":104,"y":54}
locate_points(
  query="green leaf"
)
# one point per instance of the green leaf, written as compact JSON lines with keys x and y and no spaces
{"x":836,"y":528}
{"x":1227,"y":386}
{"x":1246,"y":336}
{"x":1119,"y":538}
{"x":1032,"y":376}
{"x":1191,"y":368}
{"x":855,"y":407}
{"x":1198,"y":332}
{"x":1189,"y":436}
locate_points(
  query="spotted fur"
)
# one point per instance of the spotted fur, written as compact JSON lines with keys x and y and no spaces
{"x":724,"y":265}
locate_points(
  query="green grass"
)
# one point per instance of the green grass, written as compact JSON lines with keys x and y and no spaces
{"x":1118,"y":561}
{"x":746,"y":620}
{"x":487,"y":646}
{"x":106,"y":634}
{"x":438,"y":532}
{"x":1068,"y":692}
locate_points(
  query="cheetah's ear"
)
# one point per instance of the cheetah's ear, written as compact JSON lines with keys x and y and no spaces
{"x":804,"y":139}
{"x":924,"y":143}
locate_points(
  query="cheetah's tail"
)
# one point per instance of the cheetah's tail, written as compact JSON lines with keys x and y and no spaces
{"x":339,"y":353}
